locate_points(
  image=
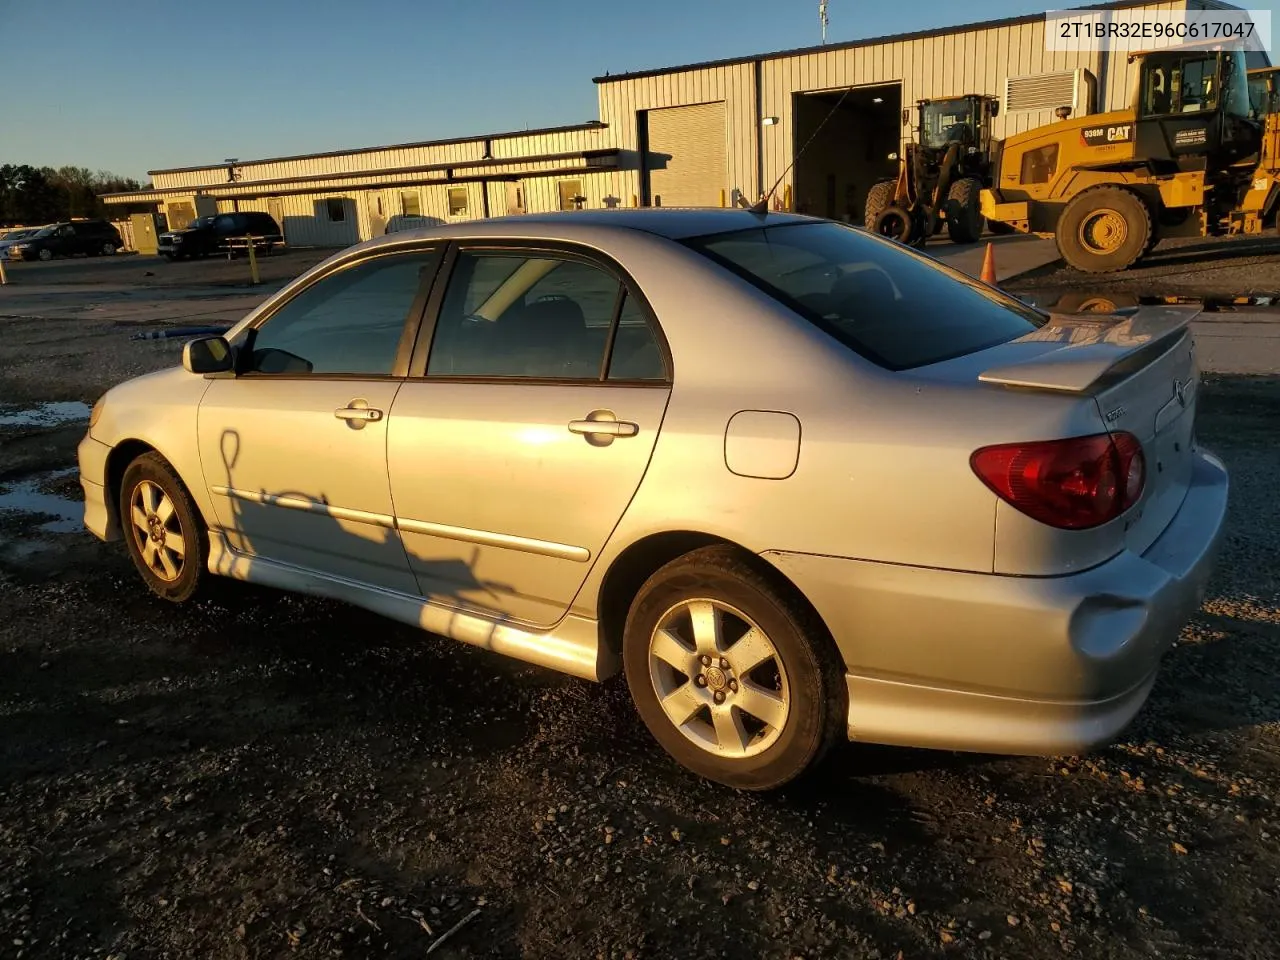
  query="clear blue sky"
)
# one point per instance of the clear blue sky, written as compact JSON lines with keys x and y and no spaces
{"x":132,"y":85}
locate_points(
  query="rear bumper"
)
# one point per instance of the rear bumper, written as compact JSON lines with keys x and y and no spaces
{"x":1025,"y":665}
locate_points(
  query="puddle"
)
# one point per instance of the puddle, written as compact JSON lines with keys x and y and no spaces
{"x":25,"y":496}
{"x":45,"y":414}
{"x":1087,"y":302}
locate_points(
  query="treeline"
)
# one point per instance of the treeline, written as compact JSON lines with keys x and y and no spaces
{"x":33,"y":195}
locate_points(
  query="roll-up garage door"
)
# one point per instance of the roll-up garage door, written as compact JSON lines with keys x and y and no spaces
{"x":686,"y":157}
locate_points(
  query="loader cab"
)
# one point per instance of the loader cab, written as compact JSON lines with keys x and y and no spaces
{"x":1194,"y":111}
{"x":964,"y":120}
{"x":1264,"y":92}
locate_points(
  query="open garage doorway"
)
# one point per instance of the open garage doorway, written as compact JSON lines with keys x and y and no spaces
{"x":849,"y":152}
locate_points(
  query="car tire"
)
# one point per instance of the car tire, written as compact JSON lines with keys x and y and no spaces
{"x":45,"y":254}
{"x":1103,"y":230}
{"x":163,"y":531}
{"x":790,"y":672}
{"x":964,"y":210}
{"x":108,"y":249}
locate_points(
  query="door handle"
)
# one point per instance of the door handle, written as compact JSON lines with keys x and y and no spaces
{"x":358,"y":414}
{"x":603,"y":423}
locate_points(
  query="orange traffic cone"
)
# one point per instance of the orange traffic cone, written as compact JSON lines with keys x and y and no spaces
{"x":988,"y":274}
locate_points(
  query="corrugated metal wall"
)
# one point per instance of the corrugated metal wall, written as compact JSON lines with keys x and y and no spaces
{"x":620,"y":101}
{"x":503,"y":148}
{"x":970,"y":61}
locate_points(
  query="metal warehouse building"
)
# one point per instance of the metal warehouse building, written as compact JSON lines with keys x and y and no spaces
{"x":705,"y":134}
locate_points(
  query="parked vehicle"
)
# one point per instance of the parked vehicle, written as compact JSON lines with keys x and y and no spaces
{"x":8,"y":239}
{"x":206,"y":235}
{"x":1197,"y":154}
{"x":89,"y":237}
{"x":796,"y":480}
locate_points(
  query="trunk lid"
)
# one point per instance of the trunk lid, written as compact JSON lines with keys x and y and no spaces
{"x":1140,"y":368}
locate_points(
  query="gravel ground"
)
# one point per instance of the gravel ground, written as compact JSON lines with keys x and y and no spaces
{"x":1210,"y":267}
{"x":264,"y":775}
{"x":155,"y":271}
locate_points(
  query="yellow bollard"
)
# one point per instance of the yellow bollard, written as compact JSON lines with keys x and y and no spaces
{"x":722,"y":196}
{"x":253,"y":263}
{"x":3,"y":278}
{"x":635,"y":201}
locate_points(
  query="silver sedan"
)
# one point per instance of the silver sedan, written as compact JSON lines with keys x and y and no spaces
{"x":797,"y":482}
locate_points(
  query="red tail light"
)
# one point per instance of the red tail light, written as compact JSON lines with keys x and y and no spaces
{"x":1073,"y":484}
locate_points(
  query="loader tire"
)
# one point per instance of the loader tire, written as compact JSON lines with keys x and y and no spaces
{"x":1104,"y":230}
{"x":878,"y":198}
{"x":895,"y":223}
{"x":964,"y":211}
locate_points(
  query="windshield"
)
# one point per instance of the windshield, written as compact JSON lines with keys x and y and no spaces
{"x":895,"y":307}
{"x":47,"y":231}
{"x":943,"y":121}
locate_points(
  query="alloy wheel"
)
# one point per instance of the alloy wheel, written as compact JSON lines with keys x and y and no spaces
{"x":719,"y":678}
{"x":157,"y":531}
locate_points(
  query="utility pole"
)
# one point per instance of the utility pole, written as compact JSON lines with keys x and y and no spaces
{"x":822,"y":18}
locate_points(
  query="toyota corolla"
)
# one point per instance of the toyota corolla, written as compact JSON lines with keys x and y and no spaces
{"x":797,"y":482}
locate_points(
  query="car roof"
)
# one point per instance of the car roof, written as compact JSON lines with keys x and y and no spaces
{"x":675,"y":223}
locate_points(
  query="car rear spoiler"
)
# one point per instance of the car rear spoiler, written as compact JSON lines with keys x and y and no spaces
{"x":1096,"y":351}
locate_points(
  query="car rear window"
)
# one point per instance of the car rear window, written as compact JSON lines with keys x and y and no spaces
{"x":893,"y":306}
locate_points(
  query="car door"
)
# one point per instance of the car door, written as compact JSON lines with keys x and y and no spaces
{"x":294,"y":446}
{"x":528,"y":426}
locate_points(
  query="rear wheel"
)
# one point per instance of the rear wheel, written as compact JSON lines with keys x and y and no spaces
{"x":895,"y":223}
{"x":167,"y":542}
{"x":1104,"y":230}
{"x":964,"y":211}
{"x":732,"y":676}
{"x":108,"y":249}
{"x":878,"y":198}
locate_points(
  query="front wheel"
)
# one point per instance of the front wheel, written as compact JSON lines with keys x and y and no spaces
{"x":964,"y":211}
{"x":734,"y":677}
{"x":45,"y":254}
{"x":1104,"y":230}
{"x":165,"y":538}
{"x":108,"y":249}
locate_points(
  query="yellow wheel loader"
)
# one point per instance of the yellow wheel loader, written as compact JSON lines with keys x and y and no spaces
{"x":940,"y":176}
{"x":1190,"y":158}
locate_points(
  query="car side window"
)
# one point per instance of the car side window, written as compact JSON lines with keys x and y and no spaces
{"x":350,"y":322}
{"x":521,"y":316}
{"x":636,"y":354}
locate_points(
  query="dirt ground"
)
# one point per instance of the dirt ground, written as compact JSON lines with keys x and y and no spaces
{"x":1209,"y":267}
{"x":265,"y":775}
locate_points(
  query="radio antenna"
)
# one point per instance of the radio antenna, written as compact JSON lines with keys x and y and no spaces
{"x":761,"y":206}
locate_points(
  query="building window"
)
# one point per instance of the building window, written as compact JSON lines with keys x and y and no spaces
{"x":336,"y":208}
{"x":411,"y":203}
{"x":457,"y":201}
{"x":1038,"y":165}
{"x":570,"y":194}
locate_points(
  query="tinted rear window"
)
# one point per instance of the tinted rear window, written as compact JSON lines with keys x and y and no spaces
{"x":894,"y":307}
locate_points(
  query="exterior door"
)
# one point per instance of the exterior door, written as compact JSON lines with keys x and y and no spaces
{"x":294,"y":447}
{"x":275,"y":209}
{"x":685,"y":165}
{"x":515,"y":456}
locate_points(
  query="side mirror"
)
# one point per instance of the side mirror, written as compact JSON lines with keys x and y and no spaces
{"x":995,"y":109}
{"x":207,"y":355}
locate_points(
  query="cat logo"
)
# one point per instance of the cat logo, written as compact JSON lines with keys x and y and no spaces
{"x":1099,"y":136}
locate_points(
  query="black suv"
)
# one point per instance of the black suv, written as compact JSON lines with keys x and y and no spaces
{"x":206,"y":235}
{"x":90,"y":237}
